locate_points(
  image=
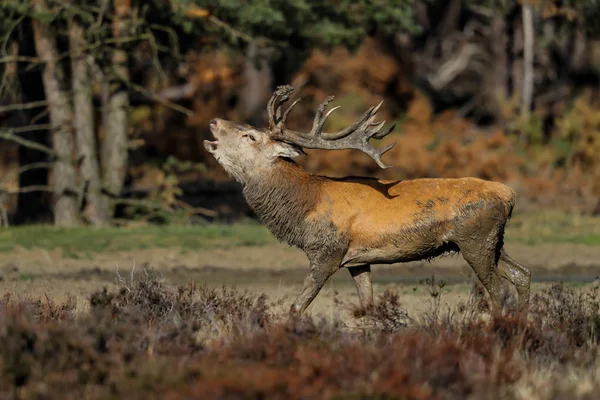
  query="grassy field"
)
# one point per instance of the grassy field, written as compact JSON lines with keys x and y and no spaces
{"x":140,"y":312}
{"x":45,"y":260}
{"x":543,"y":227}
{"x":94,"y":240}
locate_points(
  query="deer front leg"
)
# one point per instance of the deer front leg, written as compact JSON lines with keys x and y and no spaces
{"x":314,"y":281}
{"x":364,"y":287}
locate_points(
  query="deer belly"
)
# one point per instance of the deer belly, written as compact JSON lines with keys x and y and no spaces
{"x":398,"y":252}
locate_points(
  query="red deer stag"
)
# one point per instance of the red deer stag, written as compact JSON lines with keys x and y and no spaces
{"x":354,"y":222}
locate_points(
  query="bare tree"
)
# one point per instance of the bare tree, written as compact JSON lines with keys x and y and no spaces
{"x":61,"y":117}
{"x":114,"y":148}
{"x":97,"y":205}
{"x":528,"y":55}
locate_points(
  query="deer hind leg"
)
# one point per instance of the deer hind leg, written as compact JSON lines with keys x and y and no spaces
{"x":518,"y":275}
{"x":314,"y":281}
{"x":362,"y":280}
{"x":484,"y":264}
{"x":479,"y":245}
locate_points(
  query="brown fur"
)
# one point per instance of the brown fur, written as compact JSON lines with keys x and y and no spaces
{"x":283,"y":199}
{"x":355,"y":222}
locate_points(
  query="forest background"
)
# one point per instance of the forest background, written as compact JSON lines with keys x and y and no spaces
{"x":104,"y":104}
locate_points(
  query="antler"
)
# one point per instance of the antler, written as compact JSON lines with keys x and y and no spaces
{"x":356,"y":136}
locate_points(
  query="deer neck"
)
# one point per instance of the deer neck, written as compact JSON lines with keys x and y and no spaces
{"x":282,"y":197}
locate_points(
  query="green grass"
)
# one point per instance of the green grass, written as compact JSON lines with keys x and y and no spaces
{"x":553,"y":227}
{"x":529,"y":228}
{"x":77,"y":241}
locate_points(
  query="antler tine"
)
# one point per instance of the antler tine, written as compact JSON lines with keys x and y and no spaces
{"x":352,"y":128}
{"x":377,"y":107}
{"x":287,"y":112}
{"x":271,"y":110}
{"x":279,"y":97}
{"x":318,"y":127}
{"x":320,"y":120}
{"x":376,"y":154}
{"x":374,"y":129}
{"x":381,"y":135}
{"x":356,"y":136}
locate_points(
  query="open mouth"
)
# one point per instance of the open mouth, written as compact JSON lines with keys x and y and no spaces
{"x":211,"y":145}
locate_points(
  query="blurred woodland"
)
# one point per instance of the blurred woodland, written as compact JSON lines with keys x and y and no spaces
{"x":104,"y":104}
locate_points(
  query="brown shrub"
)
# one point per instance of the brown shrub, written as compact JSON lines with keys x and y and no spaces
{"x":385,"y":314}
{"x":576,"y":313}
{"x":152,"y":301}
{"x":146,"y":341}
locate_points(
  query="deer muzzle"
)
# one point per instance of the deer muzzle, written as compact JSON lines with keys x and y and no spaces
{"x":209,"y":145}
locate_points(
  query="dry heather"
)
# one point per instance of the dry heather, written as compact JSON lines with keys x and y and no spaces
{"x":149,"y":340}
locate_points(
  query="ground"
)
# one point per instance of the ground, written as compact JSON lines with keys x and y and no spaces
{"x":46,"y":261}
{"x":146,"y":338}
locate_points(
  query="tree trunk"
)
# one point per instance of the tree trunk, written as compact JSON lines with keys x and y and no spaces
{"x":66,"y":211}
{"x":97,"y":206}
{"x":257,"y":87}
{"x":499,"y":77}
{"x":450,"y":19}
{"x":580,"y":56}
{"x":114,"y":147}
{"x":528,"y":56}
{"x":516,"y":59}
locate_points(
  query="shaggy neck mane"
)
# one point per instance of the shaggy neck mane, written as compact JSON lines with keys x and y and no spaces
{"x":282,"y":198}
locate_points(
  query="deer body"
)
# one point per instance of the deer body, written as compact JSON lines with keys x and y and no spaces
{"x":354,"y":222}
{"x":411,"y":220}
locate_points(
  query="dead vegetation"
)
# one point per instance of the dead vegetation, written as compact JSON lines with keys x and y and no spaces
{"x":150,"y":340}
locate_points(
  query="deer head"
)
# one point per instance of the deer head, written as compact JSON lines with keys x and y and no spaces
{"x":244,"y":151}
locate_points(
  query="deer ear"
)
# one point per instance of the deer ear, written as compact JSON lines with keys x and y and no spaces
{"x":281,"y":149}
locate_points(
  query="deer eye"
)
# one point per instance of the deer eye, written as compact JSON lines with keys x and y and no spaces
{"x":249,"y":136}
